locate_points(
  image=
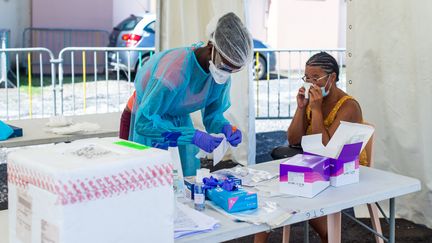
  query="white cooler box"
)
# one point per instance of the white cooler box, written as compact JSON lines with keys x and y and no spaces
{"x":94,"y":190}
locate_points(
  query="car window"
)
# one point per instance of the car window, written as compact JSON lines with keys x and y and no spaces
{"x":129,"y":23}
{"x":150,"y":27}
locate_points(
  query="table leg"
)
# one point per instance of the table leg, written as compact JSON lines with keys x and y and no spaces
{"x":392,"y":221}
{"x":306,"y":232}
{"x":286,"y":233}
{"x":334,"y":227}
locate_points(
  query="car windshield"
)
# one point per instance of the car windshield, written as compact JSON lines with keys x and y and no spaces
{"x":129,"y":23}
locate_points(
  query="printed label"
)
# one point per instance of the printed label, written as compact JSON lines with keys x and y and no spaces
{"x":50,"y":232}
{"x":92,"y":152}
{"x":199,"y":198}
{"x":188,"y":193}
{"x":295,"y":177}
{"x":231,"y":202}
{"x":24,"y":217}
{"x":349,"y":168}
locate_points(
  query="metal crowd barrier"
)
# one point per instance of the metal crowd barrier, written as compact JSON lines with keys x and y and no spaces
{"x":23,"y":94}
{"x":106,"y":84}
{"x":119,"y":64}
{"x":275,"y":94}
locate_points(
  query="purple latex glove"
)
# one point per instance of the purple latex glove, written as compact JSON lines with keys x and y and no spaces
{"x":233,"y":135}
{"x":206,"y":141}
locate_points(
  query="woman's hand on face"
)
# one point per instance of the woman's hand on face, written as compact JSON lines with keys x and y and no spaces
{"x":301,"y":100}
{"x":315,"y":97}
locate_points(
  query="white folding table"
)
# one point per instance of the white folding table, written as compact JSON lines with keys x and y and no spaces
{"x":375,"y":185}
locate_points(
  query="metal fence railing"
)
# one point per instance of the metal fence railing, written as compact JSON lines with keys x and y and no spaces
{"x":100,"y":79}
{"x":275,"y":92}
{"x":100,"y":88}
{"x":105,"y":86}
{"x":31,"y":93}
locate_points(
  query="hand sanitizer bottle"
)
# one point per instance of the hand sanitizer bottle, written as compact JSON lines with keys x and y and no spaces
{"x":199,"y":193}
{"x":178,"y":181}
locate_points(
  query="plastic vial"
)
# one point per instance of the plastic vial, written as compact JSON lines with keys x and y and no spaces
{"x":199,"y":194}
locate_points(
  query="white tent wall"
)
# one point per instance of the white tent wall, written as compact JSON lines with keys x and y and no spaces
{"x":183,"y":23}
{"x":389,"y":72}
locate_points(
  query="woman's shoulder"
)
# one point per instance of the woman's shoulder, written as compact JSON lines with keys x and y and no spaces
{"x":347,"y":100}
{"x":350,"y":106}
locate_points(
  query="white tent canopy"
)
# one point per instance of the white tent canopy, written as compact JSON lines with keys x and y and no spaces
{"x":389,"y":72}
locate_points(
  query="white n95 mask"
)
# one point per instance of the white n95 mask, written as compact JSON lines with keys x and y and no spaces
{"x":220,"y":76}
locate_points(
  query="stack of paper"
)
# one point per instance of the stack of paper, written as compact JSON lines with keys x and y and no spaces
{"x":189,"y":221}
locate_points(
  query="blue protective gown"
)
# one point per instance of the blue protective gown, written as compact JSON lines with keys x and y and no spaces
{"x":169,"y":87}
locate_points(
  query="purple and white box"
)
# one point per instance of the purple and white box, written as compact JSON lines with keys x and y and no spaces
{"x":345,"y":169}
{"x":304,"y":175}
{"x":343,"y":151}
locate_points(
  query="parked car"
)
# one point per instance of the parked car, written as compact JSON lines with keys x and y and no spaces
{"x":139,"y":31}
{"x":261,"y":68}
{"x":134,"y":31}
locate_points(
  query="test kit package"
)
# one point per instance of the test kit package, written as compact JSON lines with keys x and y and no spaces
{"x":304,"y":175}
{"x":343,"y":150}
{"x":233,"y":201}
{"x":93,"y":190}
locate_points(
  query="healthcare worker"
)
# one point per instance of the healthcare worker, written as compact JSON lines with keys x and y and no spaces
{"x":177,"y":82}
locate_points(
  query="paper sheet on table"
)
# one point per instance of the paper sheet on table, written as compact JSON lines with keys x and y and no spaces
{"x":189,"y":221}
{"x":346,"y":133}
{"x":218,"y":153}
{"x":269,"y":188}
{"x":249,"y":177}
{"x":82,"y":127}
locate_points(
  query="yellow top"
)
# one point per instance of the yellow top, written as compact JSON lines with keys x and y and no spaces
{"x":330,"y":119}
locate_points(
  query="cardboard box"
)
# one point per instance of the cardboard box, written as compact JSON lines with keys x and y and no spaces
{"x":94,"y":190}
{"x":233,"y":201}
{"x":304,"y":175}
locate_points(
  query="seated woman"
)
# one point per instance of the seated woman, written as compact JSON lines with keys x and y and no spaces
{"x":321,"y":113}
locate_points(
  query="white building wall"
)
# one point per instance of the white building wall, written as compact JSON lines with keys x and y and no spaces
{"x":123,"y":8}
{"x":257,"y":12}
{"x":306,"y":24}
{"x":15,"y":15}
